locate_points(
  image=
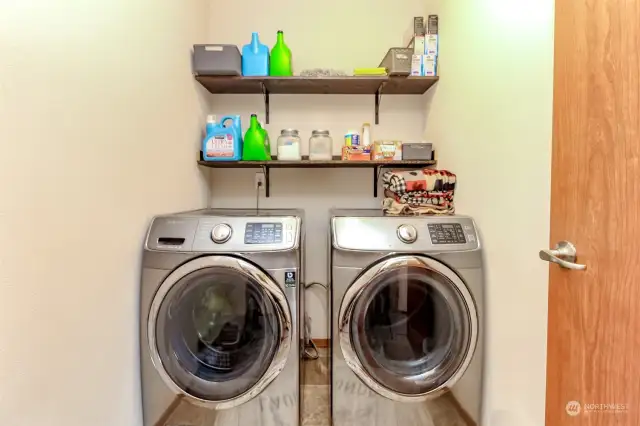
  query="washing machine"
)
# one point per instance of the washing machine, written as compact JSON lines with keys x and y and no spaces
{"x":407,"y":299}
{"x":219,"y":329}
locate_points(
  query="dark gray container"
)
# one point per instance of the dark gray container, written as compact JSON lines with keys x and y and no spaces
{"x":417,"y":151}
{"x":397,"y":61}
{"x":216,"y":59}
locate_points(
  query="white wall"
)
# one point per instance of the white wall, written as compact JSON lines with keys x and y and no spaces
{"x":99,"y":125}
{"x":490,"y":116}
{"x":336,"y":34}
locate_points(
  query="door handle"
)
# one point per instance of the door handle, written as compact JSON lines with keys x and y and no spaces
{"x":564,"y":255}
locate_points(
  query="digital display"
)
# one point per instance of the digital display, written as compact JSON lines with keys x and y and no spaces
{"x":447,"y":233}
{"x":263,"y":233}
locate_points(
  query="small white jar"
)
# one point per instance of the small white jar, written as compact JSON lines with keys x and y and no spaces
{"x":289,"y":145}
{"x":320,"y":146}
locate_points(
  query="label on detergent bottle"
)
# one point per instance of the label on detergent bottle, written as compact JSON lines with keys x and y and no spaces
{"x":220,"y":146}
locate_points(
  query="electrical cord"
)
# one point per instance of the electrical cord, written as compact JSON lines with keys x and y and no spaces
{"x":258,"y":186}
{"x":310,"y":349}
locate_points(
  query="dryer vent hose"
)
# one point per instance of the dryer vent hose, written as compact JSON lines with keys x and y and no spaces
{"x":310,"y":348}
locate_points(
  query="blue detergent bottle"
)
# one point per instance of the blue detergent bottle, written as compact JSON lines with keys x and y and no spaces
{"x":255,"y":58}
{"x":223,"y":142}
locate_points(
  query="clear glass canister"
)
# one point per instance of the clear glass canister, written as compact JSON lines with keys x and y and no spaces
{"x":289,"y":145}
{"x":320,"y":145}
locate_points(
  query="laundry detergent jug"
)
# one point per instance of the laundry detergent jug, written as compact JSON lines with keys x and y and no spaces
{"x":254,"y":142}
{"x":280,"y":61}
{"x":224,"y":140}
{"x":255,"y":58}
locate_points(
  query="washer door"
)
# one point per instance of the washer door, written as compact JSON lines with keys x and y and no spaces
{"x":408,"y":328}
{"x":219,"y":330}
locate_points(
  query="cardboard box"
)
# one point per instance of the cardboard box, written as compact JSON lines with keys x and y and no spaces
{"x":387,"y":150}
{"x":419,"y":45}
{"x":418,"y":26}
{"x":432,"y":24}
{"x":356,"y":153}
{"x":429,"y":66}
{"x":431,"y":45}
{"x":416,"y":65}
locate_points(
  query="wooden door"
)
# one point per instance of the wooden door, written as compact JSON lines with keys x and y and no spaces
{"x":593,"y":372}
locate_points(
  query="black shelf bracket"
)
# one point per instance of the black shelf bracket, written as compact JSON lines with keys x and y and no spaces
{"x":378,"y":99}
{"x":267,"y":183}
{"x":376,"y":179}
{"x":265,"y":93}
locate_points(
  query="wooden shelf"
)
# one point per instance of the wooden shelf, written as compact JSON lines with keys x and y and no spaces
{"x":372,"y":85}
{"x":305,"y":163}
{"x":318,"y":85}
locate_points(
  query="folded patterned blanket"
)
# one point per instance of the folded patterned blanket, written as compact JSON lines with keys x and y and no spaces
{"x":418,"y":203}
{"x":392,"y":207}
{"x":402,"y":182}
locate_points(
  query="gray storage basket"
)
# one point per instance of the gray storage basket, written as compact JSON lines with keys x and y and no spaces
{"x":397,"y":61}
{"x":216,"y":59}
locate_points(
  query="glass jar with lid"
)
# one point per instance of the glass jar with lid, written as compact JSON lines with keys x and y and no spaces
{"x":320,"y":146}
{"x":289,"y":145}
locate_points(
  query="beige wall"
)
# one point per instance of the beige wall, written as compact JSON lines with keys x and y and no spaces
{"x":490,"y":116}
{"x":99,"y":124}
{"x":343,"y":35}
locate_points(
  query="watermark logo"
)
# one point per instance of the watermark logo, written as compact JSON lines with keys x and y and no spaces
{"x":573,"y":408}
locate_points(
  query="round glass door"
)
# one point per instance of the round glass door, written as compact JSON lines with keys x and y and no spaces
{"x":221,"y":330}
{"x":408,"y":327}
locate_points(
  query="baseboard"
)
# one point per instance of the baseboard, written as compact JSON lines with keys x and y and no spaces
{"x":321,"y":343}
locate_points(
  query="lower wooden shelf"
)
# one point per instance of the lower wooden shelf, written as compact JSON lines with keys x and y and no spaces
{"x":305,"y":163}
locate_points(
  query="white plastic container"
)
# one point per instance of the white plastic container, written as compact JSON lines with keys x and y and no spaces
{"x":320,"y":146}
{"x":366,"y":135}
{"x":289,"y":145}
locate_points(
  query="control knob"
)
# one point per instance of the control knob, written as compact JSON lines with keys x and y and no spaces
{"x":221,"y":233}
{"x":407,"y":234}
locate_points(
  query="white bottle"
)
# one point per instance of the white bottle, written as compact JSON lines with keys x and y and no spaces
{"x":366,"y":134}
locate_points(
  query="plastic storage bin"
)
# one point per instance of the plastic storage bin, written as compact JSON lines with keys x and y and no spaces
{"x":216,"y":59}
{"x":398,"y":61}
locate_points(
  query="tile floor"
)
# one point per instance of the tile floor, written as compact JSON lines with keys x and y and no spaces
{"x":316,"y":408}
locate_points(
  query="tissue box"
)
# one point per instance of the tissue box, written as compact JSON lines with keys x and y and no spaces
{"x":416,"y":65}
{"x":387,"y":150}
{"x":356,"y":153}
{"x":429,"y":66}
{"x":431,"y":45}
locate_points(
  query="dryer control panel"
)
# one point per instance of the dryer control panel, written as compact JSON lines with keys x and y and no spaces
{"x":405,"y":234}
{"x":446,"y":233}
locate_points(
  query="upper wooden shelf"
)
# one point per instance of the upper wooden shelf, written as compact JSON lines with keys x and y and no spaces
{"x":319,"y":85}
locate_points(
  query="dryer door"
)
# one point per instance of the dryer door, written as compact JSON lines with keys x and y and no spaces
{"x":408,"y":327}
{"x":219,"y":330}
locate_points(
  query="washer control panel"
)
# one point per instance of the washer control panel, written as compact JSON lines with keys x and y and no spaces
{"x":263,"y":233}
{"x":446,"y":233}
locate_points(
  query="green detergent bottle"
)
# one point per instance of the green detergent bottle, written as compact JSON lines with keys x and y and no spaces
{"x":254,"y":142}
{"x":267,"y":141}
{"x":280,"y":61}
